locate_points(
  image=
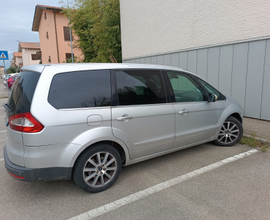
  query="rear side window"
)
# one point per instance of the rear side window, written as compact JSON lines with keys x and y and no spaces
{"x":22,"y":92}
{"x":135,"y":87}
{"x":80,"y":89}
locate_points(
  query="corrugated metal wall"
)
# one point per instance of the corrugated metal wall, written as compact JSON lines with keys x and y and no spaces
{"x":240,"y":70}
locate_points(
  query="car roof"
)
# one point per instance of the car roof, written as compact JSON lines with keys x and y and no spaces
{"x":68,"y":67}
{"x":40,"y":67}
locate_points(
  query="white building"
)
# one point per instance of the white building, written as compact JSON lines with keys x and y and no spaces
{"x":225,"y":42}
{"x":17,"y":59}
{"x":29,"y":51}
{"x":1,"y":70}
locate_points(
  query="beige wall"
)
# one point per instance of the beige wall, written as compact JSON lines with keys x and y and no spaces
{"x":27,"y":57}
{"x":1,"y":70}
{"x":18,"y":61}
{"x":150,"y":27}
{"x":49,"y":46}
{"x":64,"y":46}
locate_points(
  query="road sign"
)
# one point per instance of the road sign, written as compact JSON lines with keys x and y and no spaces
{"x":3,"y":55}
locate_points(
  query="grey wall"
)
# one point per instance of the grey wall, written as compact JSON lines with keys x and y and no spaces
{"x":240,"y":70}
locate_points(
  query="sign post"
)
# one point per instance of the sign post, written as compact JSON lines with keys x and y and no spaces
{"x":4,"y":56}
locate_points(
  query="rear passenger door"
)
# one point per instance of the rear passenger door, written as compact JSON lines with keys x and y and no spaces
{"x":142,"y":118}
{"x":195,"y":116}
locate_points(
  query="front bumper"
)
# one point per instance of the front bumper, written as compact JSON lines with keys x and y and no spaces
{"x":34,"y":175}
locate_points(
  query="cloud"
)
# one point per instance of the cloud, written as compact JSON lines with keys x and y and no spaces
{"x":16,"y":23}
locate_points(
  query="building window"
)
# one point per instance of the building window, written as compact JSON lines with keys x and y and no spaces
{"x":67,"y":34}
{"x":38,"y":55}
{"x":68,"y":56}
{"x":45,"y":16}
{"x":34,"y":57}
{"x":47,"y":35}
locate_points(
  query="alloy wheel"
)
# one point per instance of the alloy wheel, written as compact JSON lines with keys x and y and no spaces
{"x":99,"y":169}
{"x":229,"y":133}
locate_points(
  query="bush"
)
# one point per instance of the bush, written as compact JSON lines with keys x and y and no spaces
{"x":11,"y":69}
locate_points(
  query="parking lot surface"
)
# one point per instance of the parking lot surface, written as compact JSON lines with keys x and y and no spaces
{"x":236,"y":190}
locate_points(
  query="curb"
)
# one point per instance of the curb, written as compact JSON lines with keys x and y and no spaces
{"x":258,"y":138}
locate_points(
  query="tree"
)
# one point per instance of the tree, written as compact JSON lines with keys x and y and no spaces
{"x":11,"y":69}
{"x":69,"y":60}
{"x":97,"y":25}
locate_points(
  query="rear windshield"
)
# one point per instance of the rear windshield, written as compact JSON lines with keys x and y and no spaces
{"x":22,"y":92}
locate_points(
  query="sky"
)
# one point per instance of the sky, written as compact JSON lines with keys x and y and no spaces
{"x":16,"y":23}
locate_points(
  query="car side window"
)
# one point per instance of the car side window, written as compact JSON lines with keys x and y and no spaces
{"x":212,"y":90}
{"x":185,"y":88}
{"x":80,"y":89}
{"x":136,"y":87}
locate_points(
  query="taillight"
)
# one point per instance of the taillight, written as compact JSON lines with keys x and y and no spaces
{"x":18,"y":177}
{"x":25,"y":122}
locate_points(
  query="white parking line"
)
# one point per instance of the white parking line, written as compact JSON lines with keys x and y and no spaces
{"x":161,"y":186}
{"x":1,"y":159}
{"x":3,"y":131}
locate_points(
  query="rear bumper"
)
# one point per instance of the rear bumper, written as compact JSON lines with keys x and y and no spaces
{"x":34,"y":175}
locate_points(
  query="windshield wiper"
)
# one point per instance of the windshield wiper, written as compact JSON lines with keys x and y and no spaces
{"x":7,"y":107}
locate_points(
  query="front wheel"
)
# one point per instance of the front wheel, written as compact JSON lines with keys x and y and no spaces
{"x":97,"y":168}
{"x":230,"y":133}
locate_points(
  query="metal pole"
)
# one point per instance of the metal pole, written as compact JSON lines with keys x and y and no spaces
{"x":5,"y":72}
{"x":70,"y":35}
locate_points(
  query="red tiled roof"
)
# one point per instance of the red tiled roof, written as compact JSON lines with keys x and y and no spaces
{"x":30,"y":45}
{"x":17,"y":54}
{"x":49,"y":7}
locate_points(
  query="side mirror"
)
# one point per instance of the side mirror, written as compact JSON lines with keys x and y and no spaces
{"x":212,"y":97}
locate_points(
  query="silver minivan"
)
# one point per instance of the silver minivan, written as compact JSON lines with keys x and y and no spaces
{"x":86,"y":121}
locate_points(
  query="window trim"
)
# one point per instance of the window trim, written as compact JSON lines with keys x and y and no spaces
{"x":114,"y":94}
{"x":168,"y":87}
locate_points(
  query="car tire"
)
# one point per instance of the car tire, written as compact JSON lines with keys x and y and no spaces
{"x":230,"y":133}
{"x":97,"y":168}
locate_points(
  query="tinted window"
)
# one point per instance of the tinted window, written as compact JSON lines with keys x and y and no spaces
{"x":80,"y":89}
{"x":185,"y":88}
{"x":137,"y":87}
{"x":212,"y":90}
{"x":22,"y":92}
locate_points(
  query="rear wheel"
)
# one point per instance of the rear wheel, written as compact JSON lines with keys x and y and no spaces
{"x":230,"y":133}
{"x":97,"y":168}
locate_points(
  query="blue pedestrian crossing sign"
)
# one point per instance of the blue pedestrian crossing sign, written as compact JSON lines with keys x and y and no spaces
{"x":3,"y":55}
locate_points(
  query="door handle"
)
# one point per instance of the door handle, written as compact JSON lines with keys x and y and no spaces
{"x":124,"y":118}
{"x":183,"y":112}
